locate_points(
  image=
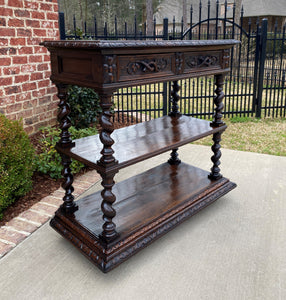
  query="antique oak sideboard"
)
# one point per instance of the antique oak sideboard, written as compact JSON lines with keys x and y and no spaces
{"x":110,"y":226}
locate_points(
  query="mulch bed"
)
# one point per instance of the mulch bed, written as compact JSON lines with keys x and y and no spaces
{"x":43,"y":185}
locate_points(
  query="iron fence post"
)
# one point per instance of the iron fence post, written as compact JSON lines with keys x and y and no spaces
{"x":165,"y":98}
{"x":262,"y":56}
{"x":165,"y":28}
{"x":62,"y":26}
{"x":165,"y":84}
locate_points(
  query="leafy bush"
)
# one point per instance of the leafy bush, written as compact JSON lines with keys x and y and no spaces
{"x":16,"y":162}
{"x":49,"y":161}
{"x":85,"y":108}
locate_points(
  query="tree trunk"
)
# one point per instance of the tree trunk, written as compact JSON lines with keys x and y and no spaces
{"x":81,"y":15}
{"x":149,"y":17}
{"x":185,"y":20}
{"x":238,"y":4}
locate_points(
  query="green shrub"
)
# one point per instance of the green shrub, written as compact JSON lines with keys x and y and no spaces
{"x":16,"y":162}
{"x":49,"y":161}
{"x":85,"y":108}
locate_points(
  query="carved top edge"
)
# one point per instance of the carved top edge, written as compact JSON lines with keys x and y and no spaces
{"x":110,"y":44}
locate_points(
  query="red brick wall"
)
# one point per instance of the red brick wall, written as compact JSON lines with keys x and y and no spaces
{"x":25,"y":89}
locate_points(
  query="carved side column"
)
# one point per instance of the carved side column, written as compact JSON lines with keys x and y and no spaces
{"x":215,"y":170}
{"x":108,"y":198}
{"x":65,"y":141}
{"x":175,"y":114}
{"x":69,"y":205}
{"x":217,"y":122}
{"x":175,"y":97}
{"x":106,"y":161}
{"x":219,"y":82}
{"x":174,"y":160}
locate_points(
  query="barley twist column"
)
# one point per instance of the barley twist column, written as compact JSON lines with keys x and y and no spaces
{"x":174,"y":160}
{"x":219,"y":82}
{"x":65,"y":141}
{"x":109,"y":228}
{"x":106,"y":162}
{"x":215,"y":170}
{"x":217,"y":122}
{"x":175,"y":114}
{"x":175,"y":97}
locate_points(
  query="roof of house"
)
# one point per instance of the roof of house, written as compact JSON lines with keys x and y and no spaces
{"x":252,"y":8}
{"x":256,"y":8}
{"x":170,"y":8}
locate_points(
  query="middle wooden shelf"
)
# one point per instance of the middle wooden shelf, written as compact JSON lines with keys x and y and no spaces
{"x":138,"y":142}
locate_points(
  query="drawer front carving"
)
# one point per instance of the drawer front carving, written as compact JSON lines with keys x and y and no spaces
{"x":201,"y":61}
{"x":147,"y":66}
{"x":150,"y":66}
{"x":144,"y":66}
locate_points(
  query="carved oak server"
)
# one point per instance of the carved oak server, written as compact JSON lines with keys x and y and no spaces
{"x":140,"y":209}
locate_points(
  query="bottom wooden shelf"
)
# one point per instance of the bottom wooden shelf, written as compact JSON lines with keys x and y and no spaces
{"x":148,"y":206}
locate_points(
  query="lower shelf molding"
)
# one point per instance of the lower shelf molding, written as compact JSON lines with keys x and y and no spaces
{"x":148,"y":206}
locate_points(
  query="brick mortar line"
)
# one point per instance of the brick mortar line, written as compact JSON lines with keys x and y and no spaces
{"x":41,"y":213}
{"x":27,"y":221}
{"x":11,"y":228}
{"x":48,"y":204}
{"x":7,"y":242}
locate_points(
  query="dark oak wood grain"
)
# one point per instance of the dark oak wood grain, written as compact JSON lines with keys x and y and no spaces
{"x":115,"y":64}
{"x":144,"y":140}
{"x":115,"y":223}
{"x":143,"y":198}
{"x":149,"y":205}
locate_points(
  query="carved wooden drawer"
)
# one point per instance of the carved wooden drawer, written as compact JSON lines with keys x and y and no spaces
{"x":103,"y":65}
{"x":144,"y":66}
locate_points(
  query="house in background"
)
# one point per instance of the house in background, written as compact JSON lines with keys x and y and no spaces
{"x":274,"y":11}
{"x":174,"y":10}
{"x":260,"y":9}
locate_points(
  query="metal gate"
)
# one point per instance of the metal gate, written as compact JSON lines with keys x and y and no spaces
{"x":255,"y":86}
{"x":243,"y":84}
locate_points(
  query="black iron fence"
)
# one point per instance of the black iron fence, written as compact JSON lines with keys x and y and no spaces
{"x":256,"y":85}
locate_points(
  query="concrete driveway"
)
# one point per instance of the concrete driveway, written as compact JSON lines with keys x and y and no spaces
{"x":234,"y":249}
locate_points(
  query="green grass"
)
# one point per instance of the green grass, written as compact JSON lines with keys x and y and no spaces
{"x":199,"y":93}
{"x":263,"y":135}
{"x":266,"y":136}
